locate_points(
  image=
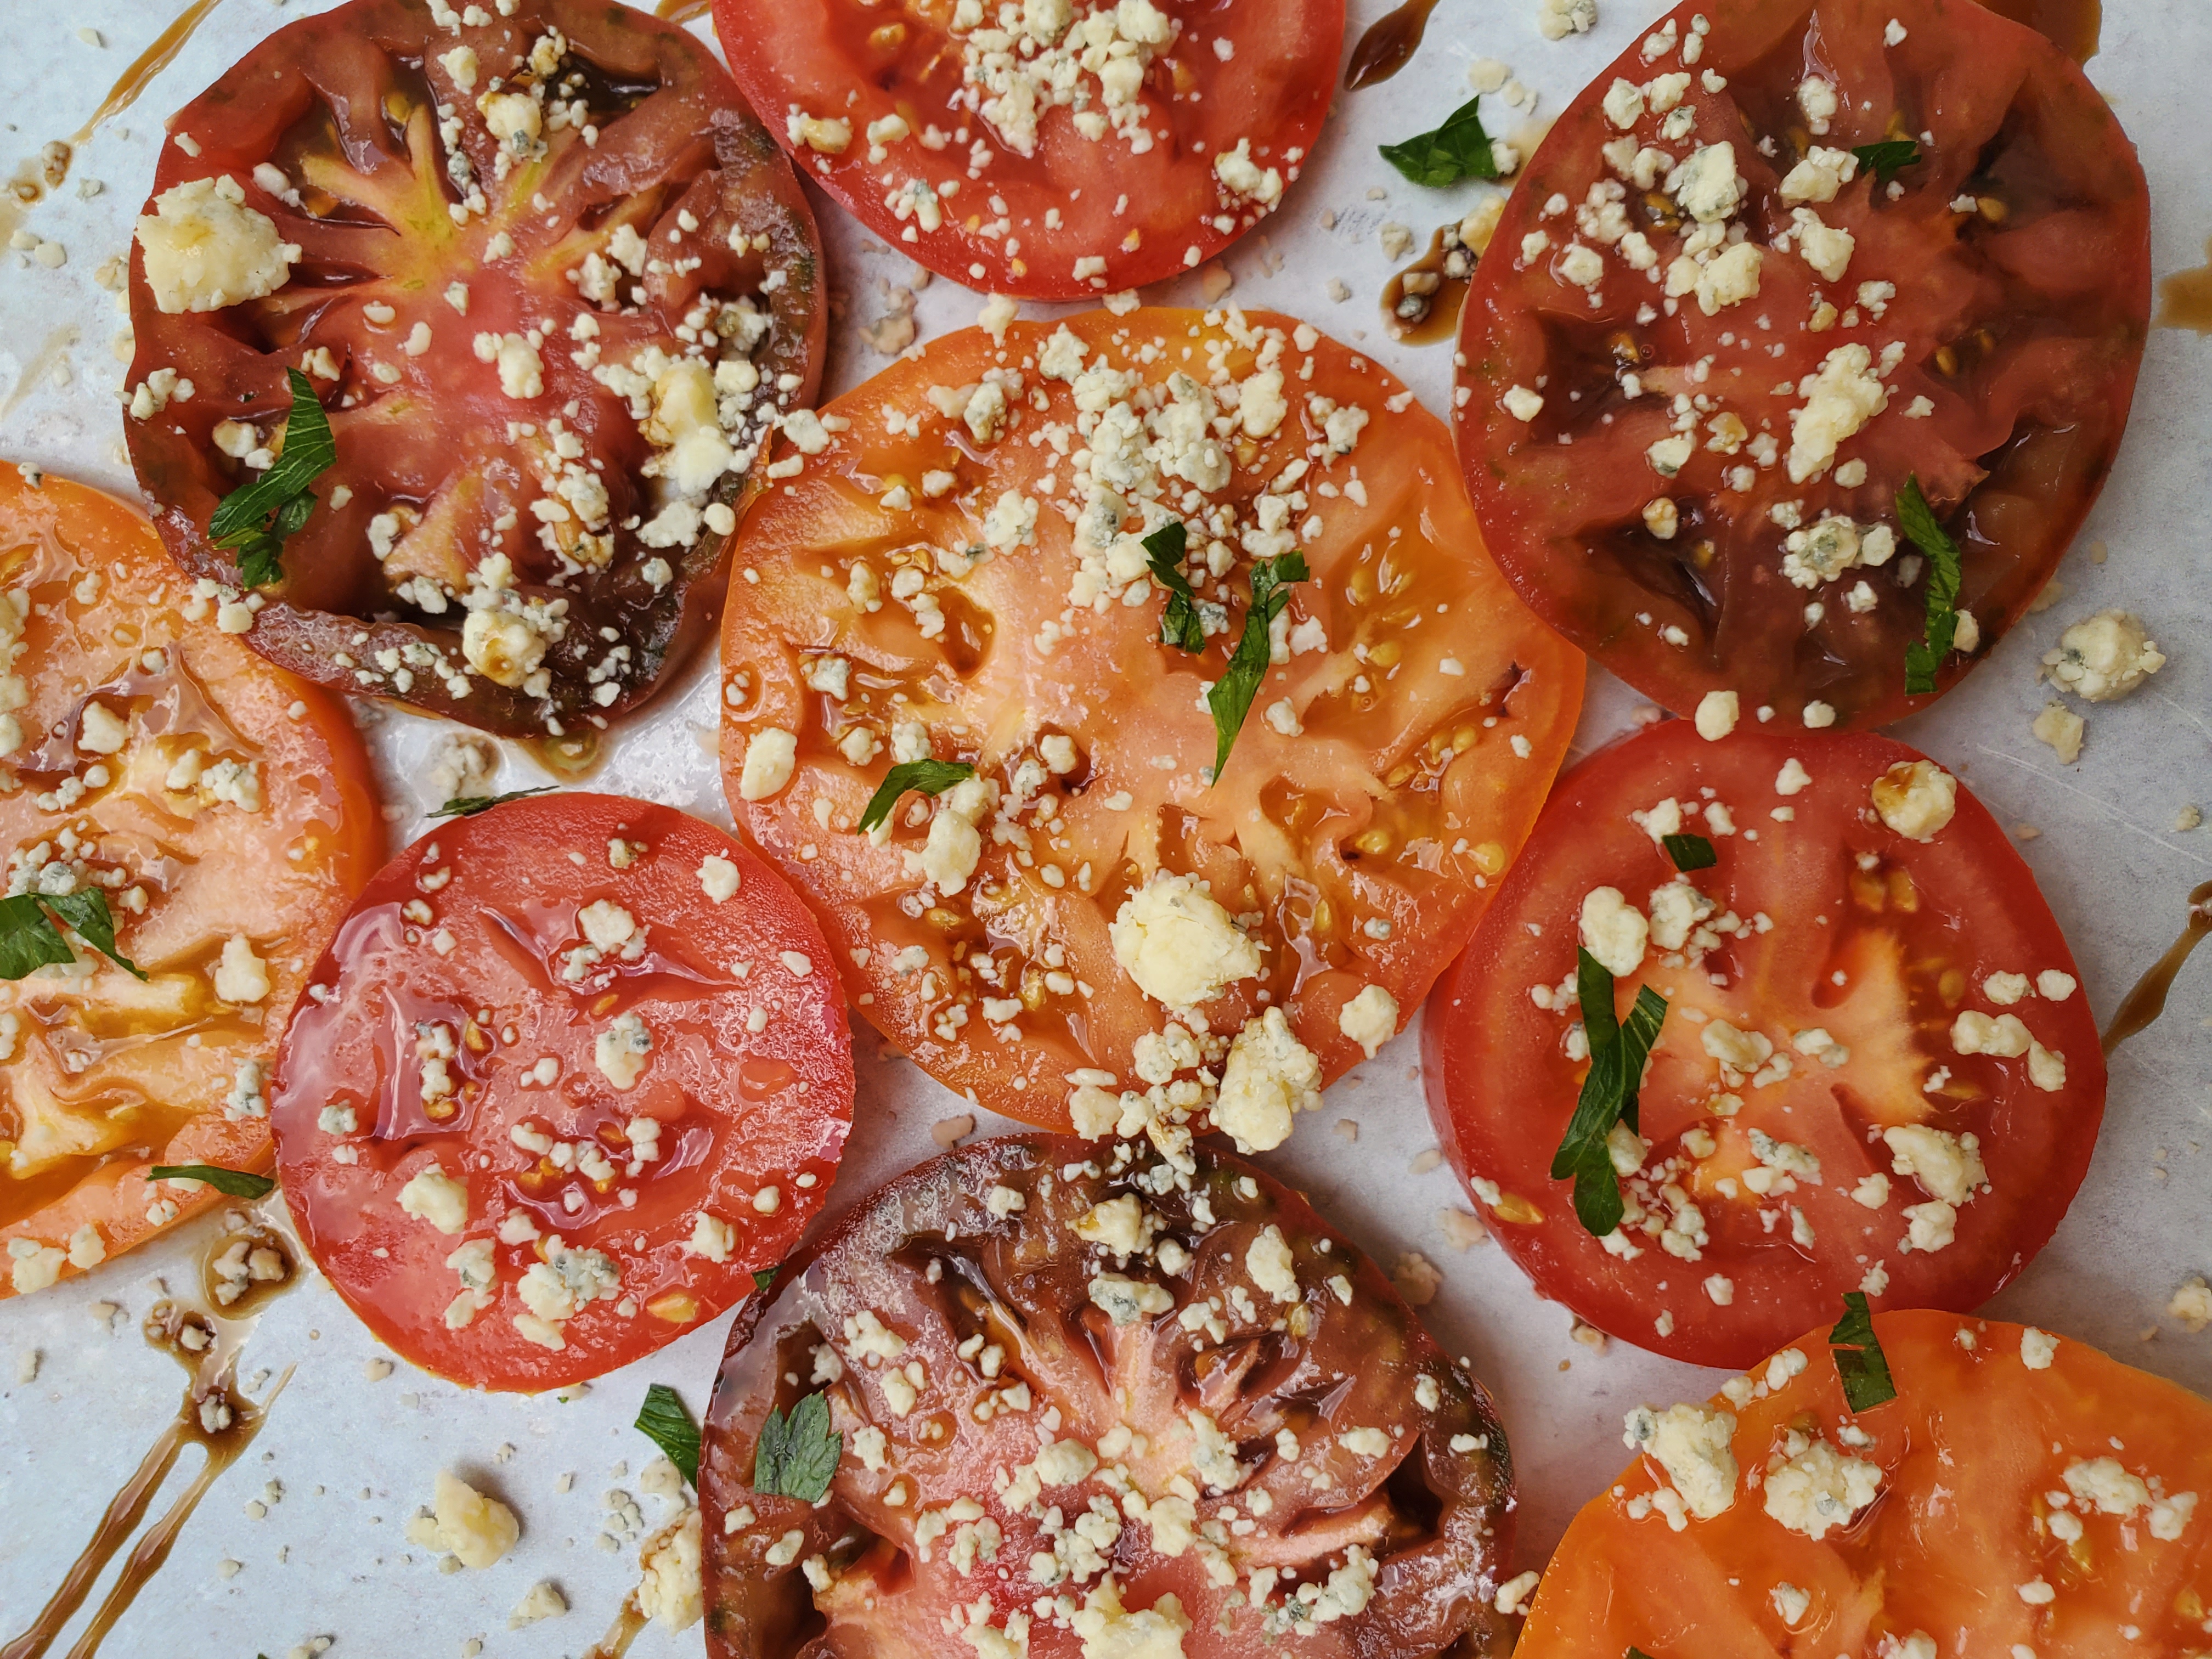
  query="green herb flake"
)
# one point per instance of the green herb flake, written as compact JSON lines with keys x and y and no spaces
{"x":927,"y":777}
{"x":1458,"y":150}
{"x":1230,"y":699}
{"x":1925,"y":655}
{"x":1861,"y":1366}
{"x":797,"y":1456}
{"x":1617,"y":1049}
{"x":1690,"y":852}
{"x":764,"y":1279}
{"x":255,"y":520}
{"x":1888,"y":158}
{"x":467,"y":806}
{"x":663,"y":1420}
{"x":1179,"y":624}
{"x":231,"y":1183}
{"x":29,"y":940}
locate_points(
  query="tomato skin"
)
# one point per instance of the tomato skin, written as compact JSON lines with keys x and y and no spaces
{"x":282,"y":875}
{"x":2039,"y":302}
{"x":1969,"y":1451}
{"x":1338,"y":1354}
{"x":691,"y":152}
{"x":743,"y":1111}
{"x":1501,"y":1086}
{"x":1274,"y":91}
{"x":1368,"y":841}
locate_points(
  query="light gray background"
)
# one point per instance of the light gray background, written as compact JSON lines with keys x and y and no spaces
{"x":356,"y":1457}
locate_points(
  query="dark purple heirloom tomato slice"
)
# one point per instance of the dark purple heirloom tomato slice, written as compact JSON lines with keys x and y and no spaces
{"x":1086,"y":1403}
{"x":1761,"y":275}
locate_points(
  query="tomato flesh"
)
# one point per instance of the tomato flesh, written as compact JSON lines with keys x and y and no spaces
{"x":550,"y":370}
{"x":1068,"y":155}
{"x":1387,"y":772}
{"x":980,"y":1308}
{"x":213,"y":799}
{"x":1698,"y":485}
{"x":1844,"y":993}
{"x":2031,"y":1495}
{"x":542,"y":1038}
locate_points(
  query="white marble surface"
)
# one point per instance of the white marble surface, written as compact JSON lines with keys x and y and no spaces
{"x":355,"y":1457}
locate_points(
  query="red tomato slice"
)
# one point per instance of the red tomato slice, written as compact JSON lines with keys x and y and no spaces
{"x":1876,"y":1072}
{"x":1692,"y":471}
{"x":549,"y":369}
{"x":1388,"y":769}
{"x":572,"y":1070}
{"x":226,"y":811}
{"x":1087,"y":148}
{"x":1101,"y":1405}
{"x":2021,"y":1494}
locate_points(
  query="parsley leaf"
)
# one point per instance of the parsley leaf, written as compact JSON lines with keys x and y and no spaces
{"x":255,"y":520}
{"x":1925,"y":655}
{"x":467,"y":806}
{"x":1230,"y":699}
{"x":232,"y":1183}
{"x":797,"y":1456}
{"x":1458,"y":150}
{"x":930,"y":777}
{"x":1618,"y":1050}
{"x":1179,"y":624}
{"x":664,"y":1420}
{"x":1888,"y":158}
{"x":1861,"y":1366}
{"x":1690,"y":852}
{"x":29,"y":940}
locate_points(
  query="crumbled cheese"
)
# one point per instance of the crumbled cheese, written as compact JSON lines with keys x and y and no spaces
{"x":2104,"y":657}
{"x":1916,"y":798}
{"x":1818,"y":1489}
{"x":1369,"y":1019}
{"x":1613,"y":930}
{"x":1692,"y":1445}
{"x":1180,"y":946}
{"x":434,"y":1196}
{"x":205,"y":250}
{"x":771,"y":754}
{"x":463,"y":1522}
{"x":1269,"y":1076}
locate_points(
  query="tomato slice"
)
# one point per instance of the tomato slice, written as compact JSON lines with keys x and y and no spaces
{"x":1099,"y":1399}
{"x":933,"y":582}
{"x":225,"y":812}
{"x":1692,"y":470}
{"x":571,"y":1072}
{"x":1876,"y":1071}
{"x":2022,"y":1493}
{"x":553,"y":286}
{"x":1080,"y":148}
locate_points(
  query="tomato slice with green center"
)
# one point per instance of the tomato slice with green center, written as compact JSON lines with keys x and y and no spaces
{"x":1054,"y":150}
{"x":1877,"y":1070}
{"x":2022,"y":1493}
{"x":552,"y":284}
{"x":226,"y":816}
{"x":1760,"y":275}
{"x":1087,"y":1404}
{"x":959,"y":572}
{"x":572,"y":1070}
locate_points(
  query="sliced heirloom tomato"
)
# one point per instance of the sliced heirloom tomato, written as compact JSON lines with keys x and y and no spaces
{"x":224,"y":813}
{"x":572,"y":1071}
{"x":1719,"y":330}
{"x":1140,"y":1409}
{"x":553,"y":284}
{"x":1876,"y":1071}
{"x":1054,"y":150}
{"x":959,"y":572}
{"x":2020,"y":1494}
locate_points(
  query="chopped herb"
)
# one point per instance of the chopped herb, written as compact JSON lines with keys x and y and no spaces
{"x":1458,"y":150}
{"x":1636,"y":1653}
{"x":1888,"y":158}
{"x":765,"y":1278}
{"x":1618,"y":1050}
{"x":1925,"y":655}
{"x":1179,"y":624}
{"x":231,"y":1183}
{"x":1861,"y":1366}
{"x":255,"y":520}
{"x":29,"y":940}
{"x":467,"y":806}
{"x":663,"y":1420}
{"x":797,"y":1454}
{"x":928,"y":777}
{"x":1230,"y":699}
{"x":1690,"y":852}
